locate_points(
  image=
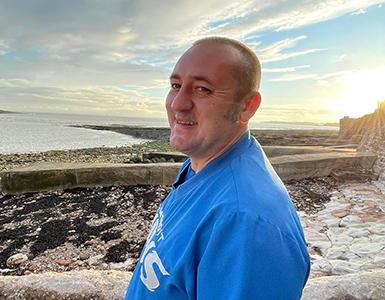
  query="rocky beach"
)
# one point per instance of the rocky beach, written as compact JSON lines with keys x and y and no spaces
{"x":104,"y":228}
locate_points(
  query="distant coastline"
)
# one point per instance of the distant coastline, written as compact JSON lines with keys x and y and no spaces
{"x":334,"y":124}
{"x":7,"y":112}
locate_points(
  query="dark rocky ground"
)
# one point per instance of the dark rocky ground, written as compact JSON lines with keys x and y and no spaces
{"x":100,"y":228}
{"x":106,"y":228}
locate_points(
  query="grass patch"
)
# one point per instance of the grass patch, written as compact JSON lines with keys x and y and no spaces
{"x":153,"y":146}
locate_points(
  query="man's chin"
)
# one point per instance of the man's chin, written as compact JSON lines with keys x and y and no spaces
{"x":178,"y":144}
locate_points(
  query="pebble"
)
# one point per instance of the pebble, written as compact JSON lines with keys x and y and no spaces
{"x":63,"y":262}
{"x":348,"y":235}
{"x":33,"y":267}
{"x":16,"y":259}
{"x":84,"y":255}
{"x":94,"y":259}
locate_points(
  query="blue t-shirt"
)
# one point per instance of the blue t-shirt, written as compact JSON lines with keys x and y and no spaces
{"x":229,"y":232}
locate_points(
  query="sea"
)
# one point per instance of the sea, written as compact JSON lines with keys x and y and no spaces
{"x":37,"y":132}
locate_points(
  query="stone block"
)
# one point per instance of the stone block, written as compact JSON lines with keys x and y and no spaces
{"x":49,"y":176}
{"x":101,"y":285}
{"x":55,"y":176}
{"x":344,"y":267}
{"x":320,"y":164}
{"x":19,"y":181}
{"x":363,"y":285}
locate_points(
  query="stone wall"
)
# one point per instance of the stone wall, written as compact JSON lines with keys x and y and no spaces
{"x":357,"y":128}
{"x":373,"y":138}
{"x":147,"y":133}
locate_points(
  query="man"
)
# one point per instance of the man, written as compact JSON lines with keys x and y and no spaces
{"x":228,"y":229}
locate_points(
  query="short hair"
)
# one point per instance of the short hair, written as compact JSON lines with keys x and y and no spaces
{"x":247,"y":71}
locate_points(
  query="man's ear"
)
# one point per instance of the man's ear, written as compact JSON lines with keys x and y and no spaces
{"x":250,"y":107}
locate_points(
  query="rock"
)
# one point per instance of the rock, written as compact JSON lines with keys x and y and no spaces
{"x":379,"y":257}
{"x":340,"y":213}
{"x":136,"y":159}
{"x":344,"y":267}
{"x":322,"y":265}
{"x":16,"y":260}
{"x":373,"y":265}
{"x":94,"y":259}
{"x":363,"y":285}
{"x":367,"y":248}
{"x":63,"y":262}
{"x":357,"y":232}
{"x":84,"y":255}
{"x":100,"y":285}
{"x":122,"y":265}
{"x":336,"y":252}
{"x":33,"y":267}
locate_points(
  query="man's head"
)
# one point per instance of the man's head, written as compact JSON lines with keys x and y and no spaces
{"x":248,"y":68}
{"x":214,"y":93}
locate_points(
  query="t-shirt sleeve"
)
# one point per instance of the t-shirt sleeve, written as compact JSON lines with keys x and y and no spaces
{"x":246,"y":257}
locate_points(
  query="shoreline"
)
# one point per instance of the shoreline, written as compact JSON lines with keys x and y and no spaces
{"x":159,"y":143}
{"x":267,"y":137}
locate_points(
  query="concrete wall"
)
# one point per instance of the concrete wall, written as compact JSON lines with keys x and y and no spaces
{"x":112,"y":285}
{"x":55,"y":176}
{"x":319,"y":165}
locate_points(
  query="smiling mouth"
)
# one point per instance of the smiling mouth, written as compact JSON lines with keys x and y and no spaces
{"x":187,"y":123}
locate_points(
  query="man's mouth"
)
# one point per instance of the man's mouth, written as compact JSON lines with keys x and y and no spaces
{"x":186,"y":123}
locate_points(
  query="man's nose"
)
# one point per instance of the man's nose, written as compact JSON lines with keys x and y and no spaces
{"x":182,"y":101}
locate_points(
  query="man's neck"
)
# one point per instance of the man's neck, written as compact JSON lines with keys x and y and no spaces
{"x":198,"y":163}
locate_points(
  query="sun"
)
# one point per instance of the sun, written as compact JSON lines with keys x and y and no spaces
{"x":366,"y":87}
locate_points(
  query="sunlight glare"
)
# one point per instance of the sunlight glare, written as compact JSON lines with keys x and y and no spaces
{"x":366,"y":87}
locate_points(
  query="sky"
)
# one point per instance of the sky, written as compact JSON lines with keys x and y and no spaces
{"x":321,"y":59}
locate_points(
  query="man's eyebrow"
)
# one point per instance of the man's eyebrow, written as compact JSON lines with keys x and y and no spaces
{"x":197,"y":78}
{"x":202,"y":78}
{"x":174,"y":76}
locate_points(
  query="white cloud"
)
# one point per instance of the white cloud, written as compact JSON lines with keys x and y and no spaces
{"x":283,"y":70}
{"x":273,"y":52}
{"x":358,"y":12}
{"x":13,"y":82}
{"x":288,"y":113}
{"x":116,"y":43}
{"x":112,"y":99}
{"x":322,"y":82}
{"x":129,"y":28}
{"x":294,"y":77}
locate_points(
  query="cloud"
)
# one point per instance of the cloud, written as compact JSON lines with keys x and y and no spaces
{"x":273,"y":52}
{"x":283,"y":70}
{"x":88,"y":100}
{"x":294,"y":77}
{"x":322,"y":82}
{"x":105,"y":51}
{"x":358,"y":12}
{"x":129,"y":28}
{"x":294,"y":14}
{"x":14,"y":82}
{"x":288,"y":113}
{"x":320,"y":79}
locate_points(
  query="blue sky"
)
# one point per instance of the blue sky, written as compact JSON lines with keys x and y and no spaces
{"x":321,"y":59}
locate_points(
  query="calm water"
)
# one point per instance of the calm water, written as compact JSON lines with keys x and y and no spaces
{"x":35,"y":132}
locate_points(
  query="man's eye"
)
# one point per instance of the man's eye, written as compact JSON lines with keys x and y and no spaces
{"x":203,"y":89}
{"x":175,"y":86}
